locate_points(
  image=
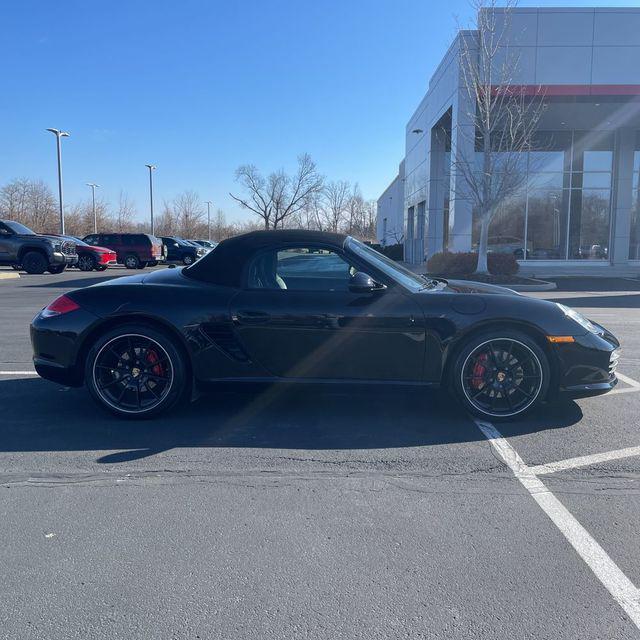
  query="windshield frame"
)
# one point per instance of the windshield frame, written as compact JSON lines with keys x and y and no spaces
{"x":390,"y":268}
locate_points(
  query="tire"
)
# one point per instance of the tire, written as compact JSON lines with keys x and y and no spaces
{"x":58,"y":268}
{"x":500,"y":375}
{"x":132,"y":261}
{"x":34,"y":262}
{"x":112,"y":380}
{"x":187,"y":260}
{"x":86,"y":262}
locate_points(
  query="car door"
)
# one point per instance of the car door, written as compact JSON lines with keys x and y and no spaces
{"x":7,"y":244}
{"x":298,"y":319}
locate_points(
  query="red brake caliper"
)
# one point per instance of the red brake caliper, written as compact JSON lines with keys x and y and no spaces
{"x":479,"y":369}
{"x":152,"y":357}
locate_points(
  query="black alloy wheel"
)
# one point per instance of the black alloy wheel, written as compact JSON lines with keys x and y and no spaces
{"x":86,"y":262}
{"x":501,"y":376}
{"x":131,"y":261}
{"x":135,"y":371}
{"x":34,"y":262}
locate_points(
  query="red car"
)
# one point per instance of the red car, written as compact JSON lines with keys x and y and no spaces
{"x":90,"y":257}
{"x":134,"y":250}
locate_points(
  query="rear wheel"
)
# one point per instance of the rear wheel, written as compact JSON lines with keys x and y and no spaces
{"x":34,"y":262}
{"x":501,"y":375}
{"x":86,"y":262}
{"x":135,"y":371}
{"x":131,"y":261}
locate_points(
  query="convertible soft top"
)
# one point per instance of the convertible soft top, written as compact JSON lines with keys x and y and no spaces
{"x":225,"y":264}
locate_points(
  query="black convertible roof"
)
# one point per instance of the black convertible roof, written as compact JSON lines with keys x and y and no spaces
{"x":225,"y":264}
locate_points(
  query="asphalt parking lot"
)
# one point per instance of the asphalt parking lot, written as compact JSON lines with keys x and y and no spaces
{"x":317,"y":513}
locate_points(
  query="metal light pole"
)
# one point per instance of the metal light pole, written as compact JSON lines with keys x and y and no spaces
{"x":151,"y":168}
{"x":93,"y":199}
{"x":60,"y":134}
{"x":209,"y":203}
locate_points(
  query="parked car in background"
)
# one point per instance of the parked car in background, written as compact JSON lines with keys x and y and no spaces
{"x":181,"y":250}
{"x":133,"y":250}
{"x":207,"y":244}
{"x":90,"y":257}
{"x":35,"y":253}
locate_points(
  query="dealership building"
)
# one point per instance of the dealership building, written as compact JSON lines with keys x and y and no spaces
{"x":578,"y":208}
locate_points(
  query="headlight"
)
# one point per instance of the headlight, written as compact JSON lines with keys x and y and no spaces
{"x":578,"y":317}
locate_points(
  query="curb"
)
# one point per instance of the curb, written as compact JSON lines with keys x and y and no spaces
{"x":543,"y":286}
{"x":9,"y":275}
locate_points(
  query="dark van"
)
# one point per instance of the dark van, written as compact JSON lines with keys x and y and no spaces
{"x":133,"y":250}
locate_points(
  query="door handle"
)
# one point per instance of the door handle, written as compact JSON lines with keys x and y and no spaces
{"x":251,"y":317}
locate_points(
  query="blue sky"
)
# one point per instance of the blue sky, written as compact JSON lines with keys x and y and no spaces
{"x":198,"y":88}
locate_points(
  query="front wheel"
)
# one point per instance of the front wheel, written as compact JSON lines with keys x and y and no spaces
{"x":135,"y":371}
{"x":34,"y":263}
{"x":187,"y":260}
{"x":501,"y":375}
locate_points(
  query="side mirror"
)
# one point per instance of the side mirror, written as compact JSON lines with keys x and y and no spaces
{"x":361,"y":282}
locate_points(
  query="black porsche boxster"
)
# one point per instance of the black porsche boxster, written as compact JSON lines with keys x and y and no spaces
{"x":299,"y":306}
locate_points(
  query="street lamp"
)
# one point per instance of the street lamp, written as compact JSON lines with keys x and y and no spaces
{"x":151,"y":168}
{"x":60,"y":134}
{"x":209,"y":203}
{"x":93,"y":199}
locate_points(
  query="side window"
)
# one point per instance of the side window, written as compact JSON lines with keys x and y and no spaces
{"x":4,"y":231}
{"x":91,"y":240}
{"x":300,"y":269}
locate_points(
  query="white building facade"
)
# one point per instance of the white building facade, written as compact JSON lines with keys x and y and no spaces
{"x":579,"y":208}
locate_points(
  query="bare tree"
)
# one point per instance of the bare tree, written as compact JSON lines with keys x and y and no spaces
{"x":279,"y":196}
{"x":29,"y":202}
{"x":125,"y":214}
{"x":336,"y":201}
{"x":502,"y":118}
{"x":188,"y":213}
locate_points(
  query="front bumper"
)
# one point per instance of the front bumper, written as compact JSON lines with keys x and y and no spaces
{"x":588,"y":365}
{"x":63,"y":258}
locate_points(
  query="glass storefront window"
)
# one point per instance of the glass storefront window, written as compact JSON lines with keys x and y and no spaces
{"x":589,"y":224}
{"x":547,"y":224}
{"x":634,"y":240}
{"x":567,"y":200}
{"x":506,"y":231}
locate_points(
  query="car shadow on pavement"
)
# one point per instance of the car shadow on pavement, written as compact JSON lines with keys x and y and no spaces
{"x":40,"y":416}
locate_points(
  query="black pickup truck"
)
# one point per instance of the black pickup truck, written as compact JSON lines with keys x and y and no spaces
{"x":21,"y":247}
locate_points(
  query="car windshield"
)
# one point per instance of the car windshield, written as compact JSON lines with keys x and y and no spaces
{"x":18,"y":228}
{"x":395,"y":271}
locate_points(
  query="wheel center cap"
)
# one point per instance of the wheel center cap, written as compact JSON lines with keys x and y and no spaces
{"x":135,"y":372}
{"x":501,"y":376}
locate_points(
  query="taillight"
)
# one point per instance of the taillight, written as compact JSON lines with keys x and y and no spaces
{"x":60,"y":305}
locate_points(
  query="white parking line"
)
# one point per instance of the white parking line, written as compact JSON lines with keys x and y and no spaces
{"x":584,"y":461}
{"x":18,"y":373}
{"x":624,"y":592}
{"x":628,"y":380}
